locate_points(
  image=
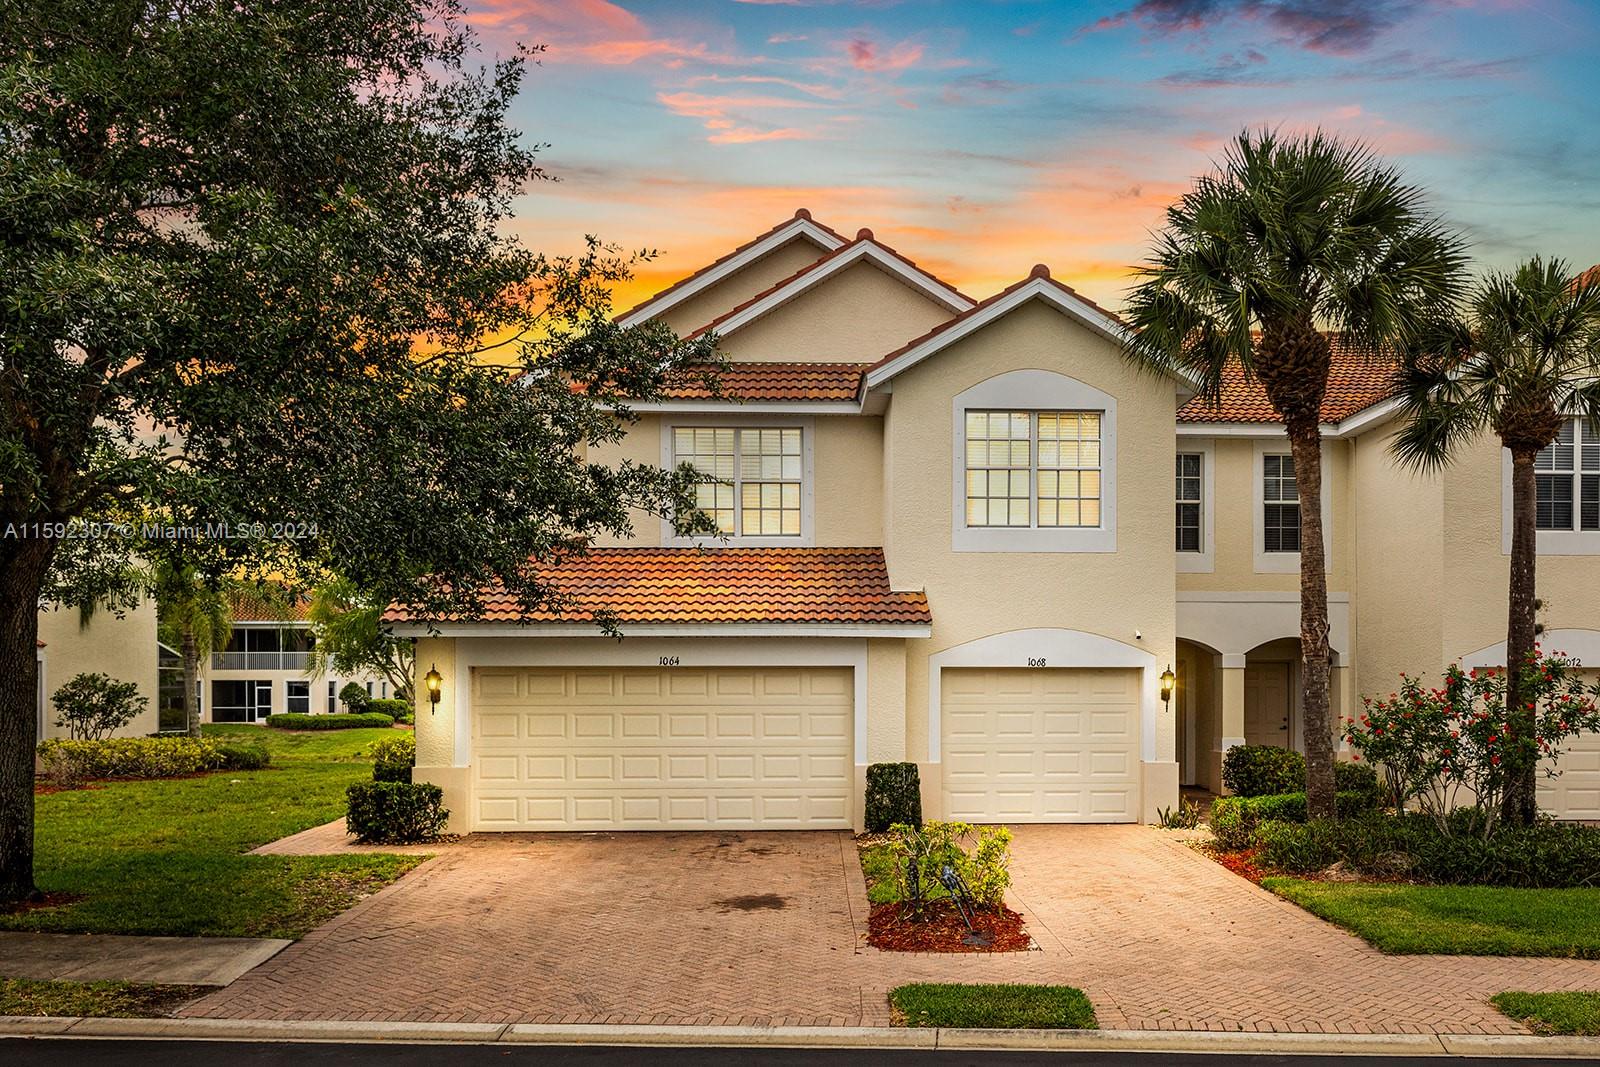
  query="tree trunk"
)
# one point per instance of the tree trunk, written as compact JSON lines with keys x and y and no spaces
{"x":191,"y":681}
{"x":1305,"y":441}
{"x":1519,"y":805}
{"x":22,"y":574}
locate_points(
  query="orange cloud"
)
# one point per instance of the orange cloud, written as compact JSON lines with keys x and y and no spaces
{"x":746,"y":135}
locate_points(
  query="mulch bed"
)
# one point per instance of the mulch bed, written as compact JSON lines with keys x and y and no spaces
{"x":941,"y":930}
{"x":1241,"y":863}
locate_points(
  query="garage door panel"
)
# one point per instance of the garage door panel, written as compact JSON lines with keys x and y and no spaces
{"x":597,"y":752}
{"x":1040,"y":745}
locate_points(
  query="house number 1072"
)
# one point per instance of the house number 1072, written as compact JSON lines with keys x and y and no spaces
{"x":1036,"y":661}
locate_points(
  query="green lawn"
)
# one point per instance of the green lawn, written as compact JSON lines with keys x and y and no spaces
{"x":123,"y":1000}
{"x":1554,"y":1013}
{"x":1003,"y":1007}
{"x":166,"y":857}
{"x":877,"y":864}
{"x":1456,"y":920}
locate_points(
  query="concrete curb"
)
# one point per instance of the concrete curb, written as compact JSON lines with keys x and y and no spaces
{"x":1195,"y":1041}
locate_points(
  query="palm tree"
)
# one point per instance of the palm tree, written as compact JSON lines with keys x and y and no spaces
{"x":196,"y":616}
{"x":1526,"y":359}
{"x":1289,"y":239}
{"x":349,"y":637}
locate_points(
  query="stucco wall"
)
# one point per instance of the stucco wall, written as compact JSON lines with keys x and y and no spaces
{"x":123,"y":648}
{"x":858,"y":315}
{"x":976,"y":594}
{"x":740,"y":286}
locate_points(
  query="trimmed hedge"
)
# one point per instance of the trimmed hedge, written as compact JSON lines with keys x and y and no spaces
{"x":242,"y":757}
{"x":395,"y":813}
{"x":338,"y":721}
{"x":392,"y":708}
{"x":1546,"y":855}
{"x":1262,"y":770}
{"x":1234,"y":819}
{"x":393,"y":758}
{"x":70,"y":762}
{"x":894,"y":795}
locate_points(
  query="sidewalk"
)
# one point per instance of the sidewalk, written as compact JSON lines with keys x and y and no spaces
{"x":205,"y":961}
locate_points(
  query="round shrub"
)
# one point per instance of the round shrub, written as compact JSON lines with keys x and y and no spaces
{"x":1263,"y":770}
{"x":354,"y":697}
{"x":392,"y":708}
{"x":242,"y":757}
{"x":395,"y":813}
{"x":894,"y":795}
{"x":393,"y":758}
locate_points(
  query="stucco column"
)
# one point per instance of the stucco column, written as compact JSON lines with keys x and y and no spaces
{"x":1232,"y":708}
{"x":438,"y":762}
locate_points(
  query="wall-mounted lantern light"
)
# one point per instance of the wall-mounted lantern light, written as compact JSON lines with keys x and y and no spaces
{"x":434,"y":681}
{"x":1169,"y":681}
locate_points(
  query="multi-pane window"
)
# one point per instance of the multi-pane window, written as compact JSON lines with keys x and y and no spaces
{"x":753,"y":477}
{"x":297,"y":696}
{"x":1280,"y":510}
{"x":1568,"y":476}
{"x":1038,"y":469}
{"x":1188,"y":501}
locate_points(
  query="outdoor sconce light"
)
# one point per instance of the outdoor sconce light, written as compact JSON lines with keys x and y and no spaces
{"x":1169,"y":681}
{"x":434,"y":680}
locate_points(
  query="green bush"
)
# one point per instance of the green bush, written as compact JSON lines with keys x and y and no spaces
{"x":92,"y":706}
{"x":1359,"y":778}
{"x":298,"y":721}
{"x":982,"y":858}
{"x":392,"y":708}
{"x":72,"y":762}
{"x":1262,"y":770}
{"x":395,"y":813}
{"x":354,"y":697}
{"x":405,"y":720}
{"x":242,"y":756}
{"x":1234,"y":819}
{"x":393,"y":758}
{"x":1544,"y":856}
{"x":894,"y":795}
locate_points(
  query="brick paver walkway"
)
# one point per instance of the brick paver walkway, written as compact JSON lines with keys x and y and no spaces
{"x":767,"y":929}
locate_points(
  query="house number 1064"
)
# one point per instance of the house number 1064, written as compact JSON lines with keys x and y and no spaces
{"x":670,"y":661}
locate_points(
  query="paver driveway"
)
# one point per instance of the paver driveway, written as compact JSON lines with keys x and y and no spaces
{"x":768,"y":928}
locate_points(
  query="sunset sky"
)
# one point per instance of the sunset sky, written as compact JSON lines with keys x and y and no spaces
{"x":981,"y":137}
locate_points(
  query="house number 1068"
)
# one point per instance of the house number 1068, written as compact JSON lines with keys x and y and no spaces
{"x":1036,"y":661}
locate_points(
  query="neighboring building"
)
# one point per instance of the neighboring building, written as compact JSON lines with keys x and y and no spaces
{"x":951,"y":540}
{"x":263,"y":669}
{"x":123,"y":647}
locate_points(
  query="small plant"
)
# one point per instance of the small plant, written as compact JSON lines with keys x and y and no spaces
{"x":354,"y":697}
{"x":393,"y":758}
{"x":981,"y":858}
{"x":395,"y":813}
{"x":92,"y":706}
{"x":1186,"y":816}
{"x":894,"y":795}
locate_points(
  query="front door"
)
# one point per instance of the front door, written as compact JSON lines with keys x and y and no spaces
{"x":1267,"y":704}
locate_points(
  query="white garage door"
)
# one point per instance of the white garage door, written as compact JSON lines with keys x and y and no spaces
{"x":1046,"y":745}
{"x":1575,"y":792}
{"x":669,"y":749}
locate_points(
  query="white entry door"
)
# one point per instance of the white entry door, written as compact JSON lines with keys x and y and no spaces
{"x":661,"y":749}
{"x":1040,"y":745}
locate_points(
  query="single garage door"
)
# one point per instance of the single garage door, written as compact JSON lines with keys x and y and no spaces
{"x":1044,"y":745}
{"x":669,"y":749}
{"x":1575,"y":792}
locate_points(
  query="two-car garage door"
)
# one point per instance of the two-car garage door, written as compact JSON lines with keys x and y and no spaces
{"x":661,"y":748}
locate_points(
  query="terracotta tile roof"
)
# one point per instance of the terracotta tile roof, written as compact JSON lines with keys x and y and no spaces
{"x":800,"y":213}
{"x":776,"y":382}
{"x":863,"y":237}
{"x":1355,"y":382}
{"x":831,"y":586}
{"x":258,"y":607}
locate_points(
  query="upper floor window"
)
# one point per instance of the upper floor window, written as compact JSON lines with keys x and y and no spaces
{"x":753,"y":477}
{"x":1568,"y":475}
{"x":1188,"y":495}
{"x":1033,"y":469}
{"x":1280,"y":512}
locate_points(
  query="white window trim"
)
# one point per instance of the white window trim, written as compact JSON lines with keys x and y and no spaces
{"x":807,"y":426}
{"x":1286,"y":562}
{"x":1205,"y":560}
{"x":1033,"y":391}
{"x":1546,"y":542}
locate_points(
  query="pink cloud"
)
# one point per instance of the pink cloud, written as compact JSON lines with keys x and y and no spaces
{"x":868,"y":55}
{"x":591,"y":31}
{"x":728,"y":117}
{"x":746,"y":135}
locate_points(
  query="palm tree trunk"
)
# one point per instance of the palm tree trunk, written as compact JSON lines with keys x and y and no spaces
{"x":1305,"y":441}
{"x":191,"y":680}
{"x":1519,"y":805}
{"x":22,"y":572}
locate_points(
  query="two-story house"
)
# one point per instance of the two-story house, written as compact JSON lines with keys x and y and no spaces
{"x":967,"y":534}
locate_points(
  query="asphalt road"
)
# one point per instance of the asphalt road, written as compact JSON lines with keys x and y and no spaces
{"x":81,"y":1052}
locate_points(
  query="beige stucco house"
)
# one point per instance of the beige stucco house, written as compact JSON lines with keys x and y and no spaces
{"x":970,"y":535}
{"x":121,"y":646}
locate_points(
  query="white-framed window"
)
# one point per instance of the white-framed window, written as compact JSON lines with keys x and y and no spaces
{"x":1280,"y":504}
{"x":754,"y":476}
{"x":297,"y":696}
{"x":1190,"y":502}
{"x":333,"y":694}
{"x":1036,"y":469}
{"x":1567,"y":473}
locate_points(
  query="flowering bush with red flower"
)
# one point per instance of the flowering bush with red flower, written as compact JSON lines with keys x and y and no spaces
{"x":1450,"y":747}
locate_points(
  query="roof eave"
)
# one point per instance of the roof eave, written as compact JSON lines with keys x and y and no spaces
{"x":675,"y":630}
